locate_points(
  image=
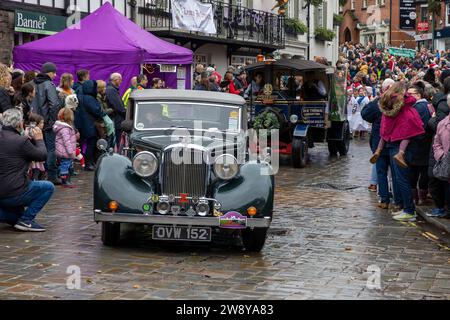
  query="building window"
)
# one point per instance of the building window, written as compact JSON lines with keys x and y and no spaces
{"x":364,"y":4}
{"x":424,"y":14}
{"x":352,"y":4}
{"x":381,"y":2}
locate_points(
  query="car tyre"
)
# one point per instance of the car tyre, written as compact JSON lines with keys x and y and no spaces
{"x":299,"y":152}
{"x":110,"y":233}
{"x":254,"y":240}
{"x":344,"y":145}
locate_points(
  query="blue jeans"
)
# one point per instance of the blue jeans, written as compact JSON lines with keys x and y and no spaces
{"x":382,"y":165}
{"x":65,"y":166}
{"x":401,"y":179}
{"x":373,"y":175}
{"x":34,"y":199}
{"x":50,"y":144}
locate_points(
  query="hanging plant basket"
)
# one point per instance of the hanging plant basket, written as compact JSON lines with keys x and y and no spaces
{"x":295,"y":26}
{"x":337,"y":20}
{"x":324,"y":34}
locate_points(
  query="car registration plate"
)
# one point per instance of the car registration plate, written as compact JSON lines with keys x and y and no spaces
{"x":182,"y":233}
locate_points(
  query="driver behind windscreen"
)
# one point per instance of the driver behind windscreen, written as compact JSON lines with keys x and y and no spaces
{"x":256,"y":85}
{"x":313,"y":88}
{"x":155,"y":119}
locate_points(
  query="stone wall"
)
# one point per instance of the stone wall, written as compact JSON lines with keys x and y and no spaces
{"x":6,"y":36}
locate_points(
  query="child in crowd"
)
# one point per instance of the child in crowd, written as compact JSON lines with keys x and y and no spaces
{"x":66,"y":144}
{"x":37,"y":169}
{"x":399,"y":122}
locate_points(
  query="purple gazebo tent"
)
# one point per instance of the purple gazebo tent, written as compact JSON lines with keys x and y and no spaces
{"x":103,"y":42}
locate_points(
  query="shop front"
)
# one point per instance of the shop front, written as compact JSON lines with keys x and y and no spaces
{"x":424,"y":40}
{"x":23,"y":23}
{"x":442,"y":38}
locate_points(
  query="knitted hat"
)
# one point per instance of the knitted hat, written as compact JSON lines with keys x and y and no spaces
{"x":48,"y":67}
{"x":72,"y":102}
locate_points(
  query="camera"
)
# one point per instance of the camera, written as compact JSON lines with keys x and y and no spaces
{"x":31,"y":129}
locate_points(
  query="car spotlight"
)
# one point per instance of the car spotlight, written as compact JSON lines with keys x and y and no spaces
{"x":202,"y":209}
{"x":163,"y":207}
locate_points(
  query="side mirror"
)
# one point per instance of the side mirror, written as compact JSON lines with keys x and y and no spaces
{"x":102,"y":144}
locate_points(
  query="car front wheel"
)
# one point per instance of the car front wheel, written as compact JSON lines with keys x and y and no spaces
{"x":299,"y":152}
{"x":254,"y":240}
{"x":110,"y":233}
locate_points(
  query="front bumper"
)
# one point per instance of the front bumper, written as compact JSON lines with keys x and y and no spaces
{"x":100,"y":216}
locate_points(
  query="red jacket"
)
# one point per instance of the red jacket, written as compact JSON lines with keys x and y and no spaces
{"x":232,"y":89}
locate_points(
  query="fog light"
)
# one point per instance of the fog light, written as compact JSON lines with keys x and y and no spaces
{"x":251,"y":211}
{"x":113,"y":206}
{"x":202,"y":209}
{"x":294,"y":118}
{"x":163,"y":207}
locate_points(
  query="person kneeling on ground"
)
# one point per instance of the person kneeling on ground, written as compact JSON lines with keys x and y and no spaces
{"x":16,"y":190}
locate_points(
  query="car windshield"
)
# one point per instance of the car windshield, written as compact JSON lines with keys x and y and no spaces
{"x":158,"y":115}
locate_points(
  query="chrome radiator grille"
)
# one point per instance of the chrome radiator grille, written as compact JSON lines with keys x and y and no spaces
{"x":187,"y":178}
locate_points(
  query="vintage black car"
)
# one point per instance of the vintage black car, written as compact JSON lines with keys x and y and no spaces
{"x":307,"y":102}
{"x":186,"y":172}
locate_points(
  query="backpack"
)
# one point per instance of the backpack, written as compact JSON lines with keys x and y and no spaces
{"x":441,"y":169}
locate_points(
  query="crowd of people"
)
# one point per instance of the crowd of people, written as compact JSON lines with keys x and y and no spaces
{"x":45,"y":128}
{"x":404,"y":103}
{"x":234,"y":80}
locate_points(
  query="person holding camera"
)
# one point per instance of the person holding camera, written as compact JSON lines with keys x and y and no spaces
{"x":21,"y":199}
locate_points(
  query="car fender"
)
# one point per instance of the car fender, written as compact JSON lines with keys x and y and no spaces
{"x":116,"y":180}
{"x":251,"y":188}
{"x":301,"y":130}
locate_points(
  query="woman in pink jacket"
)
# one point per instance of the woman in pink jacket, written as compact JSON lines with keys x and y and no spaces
{"x":399,"y":122}
{"x":66,"y":144}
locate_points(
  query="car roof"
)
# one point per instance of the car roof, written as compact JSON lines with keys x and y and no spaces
{"x":187,"y":95}
{"x":290,"y":63}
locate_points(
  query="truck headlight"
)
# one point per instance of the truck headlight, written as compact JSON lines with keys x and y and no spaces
{"x":145,"y":164}
{"x":226,"y":167}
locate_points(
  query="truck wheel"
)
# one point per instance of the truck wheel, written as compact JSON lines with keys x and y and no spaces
{"x":254,"y":240}
{"x":344,"y":145}
{"x":332,"y":148}
{"x":299,"y":152}
{"x":110,"y":233}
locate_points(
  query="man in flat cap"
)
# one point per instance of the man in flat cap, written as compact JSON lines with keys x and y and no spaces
{"x":47,"y":104}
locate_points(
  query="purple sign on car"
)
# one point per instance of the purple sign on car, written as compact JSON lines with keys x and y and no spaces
{"x":233,"y":220}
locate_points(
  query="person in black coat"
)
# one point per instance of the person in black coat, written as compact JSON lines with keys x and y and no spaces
{"x":47,"y":104}
{"x":114,"y":101}
{"x":21,"y":199}
{"x":420,"y":147}
{"x":89,"y":110}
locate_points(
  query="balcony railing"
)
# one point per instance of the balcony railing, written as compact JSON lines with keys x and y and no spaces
{"x":233,"y":23}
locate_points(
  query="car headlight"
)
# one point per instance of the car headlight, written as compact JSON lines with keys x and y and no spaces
{"x":145,"y":164}
{"x":226,"y":167}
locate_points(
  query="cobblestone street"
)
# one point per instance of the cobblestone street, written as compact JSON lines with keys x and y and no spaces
{"x":326,"y":232}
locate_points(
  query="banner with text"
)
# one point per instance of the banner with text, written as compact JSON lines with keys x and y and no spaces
{"x":193,"y":16}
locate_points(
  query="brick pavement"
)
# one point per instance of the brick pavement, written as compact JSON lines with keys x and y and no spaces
{"x":321,"y":245}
